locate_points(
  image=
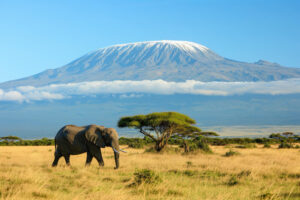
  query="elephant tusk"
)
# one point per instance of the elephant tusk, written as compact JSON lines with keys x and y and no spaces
{"x":115,"y":150}
{"x":123,"y":151}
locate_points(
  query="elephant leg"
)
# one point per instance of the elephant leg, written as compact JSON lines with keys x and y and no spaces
{"x":98,"y":156}
{"x":67,"y":159}
{"x":57,"y":155}
{"x":89,"y":158}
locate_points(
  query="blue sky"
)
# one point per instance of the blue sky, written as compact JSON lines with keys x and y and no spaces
{"x":38,"y":35}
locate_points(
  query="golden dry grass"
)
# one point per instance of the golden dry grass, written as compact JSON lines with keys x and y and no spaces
{"x":259,"y":173}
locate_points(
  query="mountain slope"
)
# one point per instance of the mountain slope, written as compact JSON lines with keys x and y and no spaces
{"x":167,"y":60}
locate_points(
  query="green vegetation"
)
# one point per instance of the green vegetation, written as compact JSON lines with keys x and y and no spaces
{"x":10,"y":138}
{"x":136,"y":143}
{"x":285,"y":145}
{"x":267,"y":145}
{"x":161,"y":126}
{"x":20,"y":142}
{"x":233,"y":181}
{"x":193,"y":143}
{"x":146,"y":176}
{"x":231,"y":153}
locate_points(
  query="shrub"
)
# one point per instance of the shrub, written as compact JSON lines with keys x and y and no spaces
{"x":190,"y":173}
{"x":193,"y":146}
{"x":202,"y":144}
{"x":267,"y":145}
{"x":174,"y":193}
{"x":285,"y":145}
{"x":198,"y":143}
{"x":244,"y":173}
{"x":133,"y":141}
{"x":146,"y":176}
{"x":189,"y":164}
{"x":231,"y":153}
{"x":232,"y":181}
{"x":266,"y":196}
{"x":136,"y":145}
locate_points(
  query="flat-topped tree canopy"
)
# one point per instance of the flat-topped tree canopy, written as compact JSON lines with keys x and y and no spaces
{"x":163,"y":124}
{"x":10,"y":138}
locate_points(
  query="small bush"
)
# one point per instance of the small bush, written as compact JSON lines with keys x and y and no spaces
{"x":189,"y":164}
{"x":192,"y":147}
{"x":190,"y":173}
{"x":266,"y":196}
{"x":146,"y":176}
{"x":244,"y":173}
{"x":136,"y":145}
{"x":231,"y":153}
{"x":39,"y":195}
{"x":198,"y":143}
{"x":108,"y":179}
{"x":174,"y":193}
{"x":267,"y":145}
{"x":285,"y":145}
{"x":232,"y":181}
{"x":202,"y":144}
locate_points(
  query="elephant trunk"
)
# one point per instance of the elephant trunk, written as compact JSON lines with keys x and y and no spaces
{"x":116,"y":148}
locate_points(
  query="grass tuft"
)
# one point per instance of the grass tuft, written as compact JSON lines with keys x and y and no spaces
{"x":233,"y":181}
{"x":231,"y":153}
{"x":146,"y":176}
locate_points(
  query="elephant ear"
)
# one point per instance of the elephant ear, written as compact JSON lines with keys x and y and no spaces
{"x":93,"y":135}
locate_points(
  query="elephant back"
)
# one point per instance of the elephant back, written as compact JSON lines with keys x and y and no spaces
{"x":71,"y":133}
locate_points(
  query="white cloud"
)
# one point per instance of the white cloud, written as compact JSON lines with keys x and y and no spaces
{"x":11,"y":96}
{"x":133,"y":89}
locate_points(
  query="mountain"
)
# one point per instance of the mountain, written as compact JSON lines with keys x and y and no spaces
{"x":167,"y":60}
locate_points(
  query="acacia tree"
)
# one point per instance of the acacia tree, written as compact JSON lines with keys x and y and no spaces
{"x":10,"y":138}
{"x":160,"y":126}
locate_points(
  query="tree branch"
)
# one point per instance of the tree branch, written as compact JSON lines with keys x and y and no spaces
{"x":147,"y":134}
{"x":157,"y":132}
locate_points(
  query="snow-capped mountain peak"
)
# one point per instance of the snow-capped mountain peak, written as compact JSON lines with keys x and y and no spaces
{"x":152,"y":52}
{"x":167,"y":60}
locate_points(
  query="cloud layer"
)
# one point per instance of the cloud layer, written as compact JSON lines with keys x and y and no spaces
{"x":130,"y":89}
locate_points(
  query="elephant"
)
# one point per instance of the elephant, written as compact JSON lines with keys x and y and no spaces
{"x":73,"y":140}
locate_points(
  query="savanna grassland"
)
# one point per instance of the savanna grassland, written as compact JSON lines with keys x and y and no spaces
{"x":256,"y":173}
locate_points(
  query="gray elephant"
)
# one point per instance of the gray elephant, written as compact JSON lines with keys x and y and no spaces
{"x":73,"y":140}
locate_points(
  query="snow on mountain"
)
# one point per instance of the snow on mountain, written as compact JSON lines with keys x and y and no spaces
{"x":166,"y":60}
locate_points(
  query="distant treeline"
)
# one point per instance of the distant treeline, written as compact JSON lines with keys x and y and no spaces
{"x":275,"y":138}
{"x":16,"y":141}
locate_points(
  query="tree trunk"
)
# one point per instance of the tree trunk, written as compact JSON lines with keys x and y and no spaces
{"x":186,"y":146}
{"x":160,"y":144}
